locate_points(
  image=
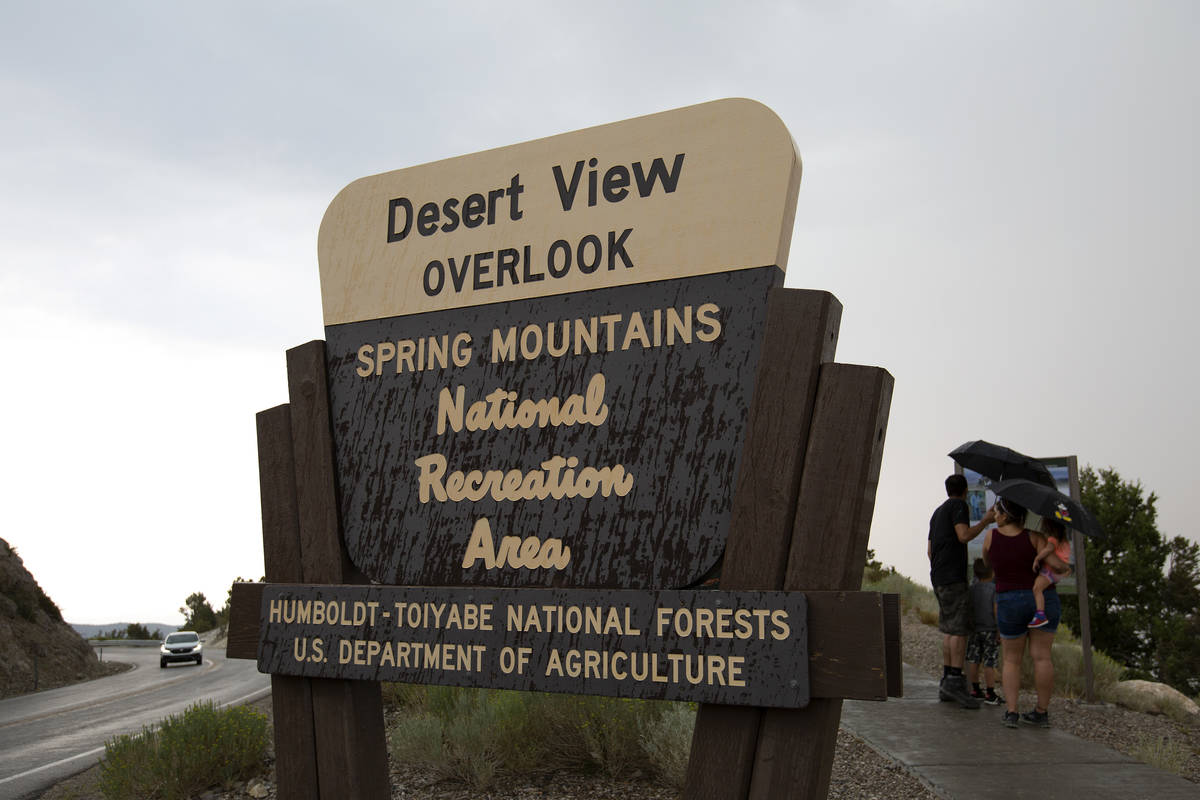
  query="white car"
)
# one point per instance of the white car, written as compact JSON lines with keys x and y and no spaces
{"x":181,"y":646}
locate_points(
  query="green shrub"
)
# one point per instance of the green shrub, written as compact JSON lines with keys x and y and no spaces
{"x":667,"y":741}
{"x":403,"y":695}
{"x":1162,"y":752}
{"x":913,"y":596}
{"x":1069,"y":678}
{"x":476,"y":735}
{"x":1067,"y":654}
{"x":190,"y":752}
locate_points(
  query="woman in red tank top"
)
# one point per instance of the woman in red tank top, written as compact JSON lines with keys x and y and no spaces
{"x":1011,"y":551}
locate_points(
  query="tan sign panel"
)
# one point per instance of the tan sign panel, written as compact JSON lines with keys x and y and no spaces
{"x":699,"y":190}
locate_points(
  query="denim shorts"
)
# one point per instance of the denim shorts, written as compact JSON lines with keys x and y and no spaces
{"x":1016,"y":607}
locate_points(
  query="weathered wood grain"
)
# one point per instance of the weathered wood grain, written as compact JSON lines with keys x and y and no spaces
{"x":291,"y":698}
{"x":245,"y":601}
{"x":845,"y":641}
{"x":892,"y":645}
{"x":794,"y":756}
{"x":801,"y":334}
{"x":351,"y":742}
{"x":323,"y":557}
{"x":689,"y":397}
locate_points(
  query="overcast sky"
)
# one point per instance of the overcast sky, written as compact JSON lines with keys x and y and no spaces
{"x":1002,"y":195}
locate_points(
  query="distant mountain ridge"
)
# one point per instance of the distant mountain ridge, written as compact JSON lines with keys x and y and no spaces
{"x":90,"y":631}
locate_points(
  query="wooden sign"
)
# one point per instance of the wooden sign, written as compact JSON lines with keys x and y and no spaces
{"x":704,"y":189}
{"x":540,"y":358}
{"x":745,"y":648}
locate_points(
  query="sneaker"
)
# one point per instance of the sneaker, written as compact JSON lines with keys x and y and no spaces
{"x":1011,"y":720}
{"x":977,"y":693}
{"x":994,"y":699}
{"x":1039,"y":620}
{"x":942,"y":695}
{"x":1040,"y":719}
{"x":954,"y":687}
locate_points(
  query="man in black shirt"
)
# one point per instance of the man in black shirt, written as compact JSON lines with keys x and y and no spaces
{"x":949,"y":532}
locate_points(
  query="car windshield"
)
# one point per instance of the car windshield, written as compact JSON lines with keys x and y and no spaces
{"x":181,"y":638}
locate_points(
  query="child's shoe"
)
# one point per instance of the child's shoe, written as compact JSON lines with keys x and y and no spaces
{"x":1039,"y":620}
{"x":993,"y":699}
{"x":977,"y":693}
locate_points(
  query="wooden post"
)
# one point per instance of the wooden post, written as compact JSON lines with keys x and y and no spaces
{"x":794,"y":756}
{"x":291,"y":698}
{"x":1085,"y":618}
{"x":801,"y":333}
{"x":351,"y":750}
{"x":801,"y":512}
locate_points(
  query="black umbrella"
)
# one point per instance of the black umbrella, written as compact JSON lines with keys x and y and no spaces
{"x":1000,"y":463}
{"x":1050,"y":504}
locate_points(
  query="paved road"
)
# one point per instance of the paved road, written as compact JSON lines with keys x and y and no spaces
{"x":47,"y":736}
{"x":969,"y":755}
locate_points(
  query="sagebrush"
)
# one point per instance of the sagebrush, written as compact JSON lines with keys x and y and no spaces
{"x":477,"y":735}
{"x":1067,"y":653}
{"x":202,"y":747}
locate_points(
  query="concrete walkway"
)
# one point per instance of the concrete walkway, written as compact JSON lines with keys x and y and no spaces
{"x":970,"y":755}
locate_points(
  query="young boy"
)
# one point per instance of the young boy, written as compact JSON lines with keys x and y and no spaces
{"x":1054,"y":552}
{"x":982,"y":646}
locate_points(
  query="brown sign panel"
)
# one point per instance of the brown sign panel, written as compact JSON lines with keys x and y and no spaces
{"x":583,"y":440}
{"x":738,"y":648}
{"x":540,"y":358}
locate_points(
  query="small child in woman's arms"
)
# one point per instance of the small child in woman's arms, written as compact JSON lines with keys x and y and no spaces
{"x":1054,"y":552}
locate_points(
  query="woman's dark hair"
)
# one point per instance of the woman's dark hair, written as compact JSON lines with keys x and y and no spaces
{"x":1014,"y":511}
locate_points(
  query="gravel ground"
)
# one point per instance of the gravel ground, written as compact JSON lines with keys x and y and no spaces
{"x":859,"y":772}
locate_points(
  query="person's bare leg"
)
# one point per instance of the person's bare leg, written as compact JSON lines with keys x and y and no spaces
{"x":1013,"y":651}
{"x":958,"y":650}
{"x":989,"y":677}
{"x":972,"y":673}
{"x":1040,"y":644}
{"x":1039,"y":592}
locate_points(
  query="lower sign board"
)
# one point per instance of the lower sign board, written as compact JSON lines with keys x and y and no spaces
{"x":733,"y":648}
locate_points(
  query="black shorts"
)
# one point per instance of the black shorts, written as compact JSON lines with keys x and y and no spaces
{"x":954,"y":609}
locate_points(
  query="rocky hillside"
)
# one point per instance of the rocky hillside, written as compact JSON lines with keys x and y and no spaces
{"x":32,"y":626}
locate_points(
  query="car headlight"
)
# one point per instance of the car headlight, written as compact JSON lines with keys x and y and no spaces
{"x":162,"y":649}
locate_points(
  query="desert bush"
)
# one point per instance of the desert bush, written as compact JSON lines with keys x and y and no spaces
{"x":476,"y":735}
{"x":667,"y":741}
{"x":202,"y":747}
{"x":1067,"y":653}
{"x":1069,"y":678}
{"x":397,"y":696}
{"x":913,"y":596}
{"x":1162,"y":752}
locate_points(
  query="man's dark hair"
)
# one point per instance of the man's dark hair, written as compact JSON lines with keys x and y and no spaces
{"x":956,"y":485}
